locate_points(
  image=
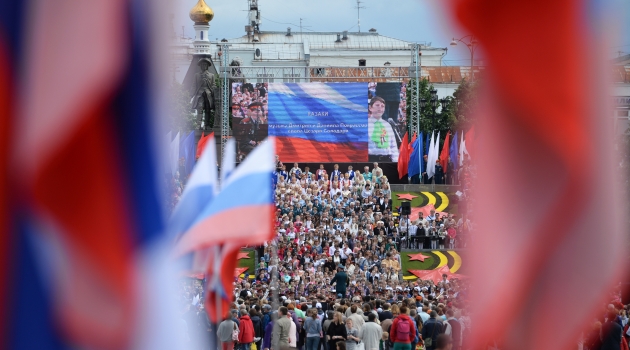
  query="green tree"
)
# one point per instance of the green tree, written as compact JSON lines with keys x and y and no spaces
{"x":463,"y":105}
{"x":430,"y":118}
{"x":458,"y":113}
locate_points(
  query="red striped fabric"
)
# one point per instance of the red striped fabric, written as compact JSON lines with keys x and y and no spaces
{"x":299,"y":150}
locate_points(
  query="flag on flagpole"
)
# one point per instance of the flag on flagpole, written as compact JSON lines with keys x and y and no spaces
{"x":454,"y":153}
{"x":462,"y":150}
{"x":444,"y":154}
{"x":203,"y":141}
{"x":174,"y":158}
{"x":247,"y":192}
{"x":431,"y":157}
{"x":403,"y":157}
{"x":187,"y":151}
{"x":413,"y":168}
{"x":201,"y":189}
{"x":436,"y":151}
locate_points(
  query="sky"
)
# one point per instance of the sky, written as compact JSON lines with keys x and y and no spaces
{"x":422,"y":21}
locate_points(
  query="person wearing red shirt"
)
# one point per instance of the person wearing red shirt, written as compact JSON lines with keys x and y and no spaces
{"x":246,"y":332}
{"x":402,"y":332}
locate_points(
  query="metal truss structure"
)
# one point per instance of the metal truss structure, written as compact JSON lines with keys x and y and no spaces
{"x":414,"y":108}
{"x":225,"y":97}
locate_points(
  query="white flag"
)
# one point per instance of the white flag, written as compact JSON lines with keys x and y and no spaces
{"x":430,"y":161}
{"x":462,"y":150}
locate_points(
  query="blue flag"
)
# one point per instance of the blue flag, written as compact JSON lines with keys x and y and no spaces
{"x":454,"y":152}
{"x":415,"y":159}
{"x":187,"y":150}
{"x":421,"y":155}
{"x":413,"y":167}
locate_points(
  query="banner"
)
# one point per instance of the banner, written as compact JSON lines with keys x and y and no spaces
{"x":321,"y":122}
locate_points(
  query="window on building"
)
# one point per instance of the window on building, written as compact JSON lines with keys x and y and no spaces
{"x":362,"y":62}
{"x":202,"y":35}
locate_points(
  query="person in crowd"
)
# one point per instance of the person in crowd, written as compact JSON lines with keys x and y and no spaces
{"x":224,"y":333}
{"x":281,"y":330}
{"x":454,"y":329}
{"x":372,"y":333}
{"x":341,"y":281}
{"x":611,"y":332}
{"x":246,"y":332}
{"x":431,"y":330}
{"x":313,"y":327}
{"x":439,"y":173}
{"x":402,"y":332}
{"x":444,"y":342}
{"x":352,"y":335}
{"x":336,"y":331}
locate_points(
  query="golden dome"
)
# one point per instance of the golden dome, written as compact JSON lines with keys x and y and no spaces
{"x":201,"y":13}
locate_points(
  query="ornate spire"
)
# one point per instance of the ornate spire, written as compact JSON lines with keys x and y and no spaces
{"x":201,"y":13}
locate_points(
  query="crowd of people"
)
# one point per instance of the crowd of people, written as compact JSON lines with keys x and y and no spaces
{"x":427,"y":314}
{"x":336,"y":258}
{"x":332,"y":278}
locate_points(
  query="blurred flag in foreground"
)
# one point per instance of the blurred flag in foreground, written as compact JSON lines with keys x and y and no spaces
{"x":210,"y":228}
{"x":547,"y":204}
{"x":88,"y":219}
{"x":247,"y":192}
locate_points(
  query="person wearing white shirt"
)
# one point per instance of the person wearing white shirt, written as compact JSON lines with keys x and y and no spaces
{"x":367,"y":191}
{"x":381,"y":137}
{"x":413,"y":239}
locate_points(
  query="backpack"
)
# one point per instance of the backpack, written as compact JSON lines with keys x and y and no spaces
{"x":404,"y":330}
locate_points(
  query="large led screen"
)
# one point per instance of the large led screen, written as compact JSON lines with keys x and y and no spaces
{"x":321,"y":122}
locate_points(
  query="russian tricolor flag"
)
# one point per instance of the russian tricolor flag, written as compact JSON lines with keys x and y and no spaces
{"x":77,"y":136}
{"x":246,"y":193}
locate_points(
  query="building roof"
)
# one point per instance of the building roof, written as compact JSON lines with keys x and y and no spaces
{"x":625,"y":59}
{"x":328,"y":40}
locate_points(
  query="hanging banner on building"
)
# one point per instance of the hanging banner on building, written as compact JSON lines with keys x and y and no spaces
{"x":321,"y":122}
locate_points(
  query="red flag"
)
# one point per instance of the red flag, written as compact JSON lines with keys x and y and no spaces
{"x":219,"y":284}
{"x":403,"y":158}
{"x":444,"y":153}
{"x":201,"y":145}
{"x":528,"y":101}
{"x":470,"y":143}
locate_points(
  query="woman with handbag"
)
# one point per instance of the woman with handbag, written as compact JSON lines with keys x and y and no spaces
{"x":225,"y":333}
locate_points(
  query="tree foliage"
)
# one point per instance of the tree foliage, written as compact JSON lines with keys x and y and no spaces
{"x":464,"y":103}
{"x":457,"y":114}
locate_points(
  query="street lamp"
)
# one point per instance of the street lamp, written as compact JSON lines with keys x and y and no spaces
{"x":470,"y":42}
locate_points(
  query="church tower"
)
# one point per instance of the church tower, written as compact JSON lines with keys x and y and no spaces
{"x":202,"y":14}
